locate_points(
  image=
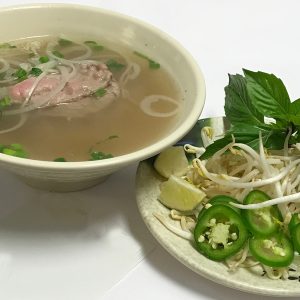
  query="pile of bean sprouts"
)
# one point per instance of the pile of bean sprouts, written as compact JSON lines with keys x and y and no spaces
{"x":235,"y":170}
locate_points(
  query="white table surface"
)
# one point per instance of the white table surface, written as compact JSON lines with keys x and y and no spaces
{"x":224,"y":37}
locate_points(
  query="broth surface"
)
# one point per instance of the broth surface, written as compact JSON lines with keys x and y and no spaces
{"x":73,"y":130}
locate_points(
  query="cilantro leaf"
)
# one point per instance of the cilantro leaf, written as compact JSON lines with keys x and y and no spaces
{"x":57,"y":54}
{"x":100,"y":92}
{"x":36,"y":72}
{"x":113,"y":65}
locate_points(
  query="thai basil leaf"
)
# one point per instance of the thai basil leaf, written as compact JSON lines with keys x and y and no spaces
{"x":238,"y":106}
{"x":268,"y":94}
{"x":295,"y":112}
{"x":249,"y":135}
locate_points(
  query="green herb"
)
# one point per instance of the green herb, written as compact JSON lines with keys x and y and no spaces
{"x":5,"y":102}
{"x":36,"y":72}
{"x":60,"y":159}
{"x":97,"y":48}
{"x":152,"y":64}
{"x":100,"y":92}
{"x":2,"y":75}
{"x":98,"y":155}
{"x":57,"y":54}
{"x":249,"y":100}
{"x":112,"y":137}
{"x":94,"y":45}
{"x":7,"y":45}
{"x":113,"y":65}
{"x":13,"y":150}
{"x":21,"y":74}
{"x":43,"y":59}
{"x":90,"y":43}
{"x":64,"y":42}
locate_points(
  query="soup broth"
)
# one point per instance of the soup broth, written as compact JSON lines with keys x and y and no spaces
{"x":75,"y":101}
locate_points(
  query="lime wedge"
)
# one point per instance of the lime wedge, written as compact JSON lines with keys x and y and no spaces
{"x":171,"y":161}
{"x":177,"y":193}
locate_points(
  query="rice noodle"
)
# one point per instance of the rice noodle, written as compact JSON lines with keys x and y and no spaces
{"x":146,"y":106}
{"x":131,"y":72}
{"x":43,"y":100}
{"x":23,"y":119}
{"x":5,"y":66}
{"x":77,"y":60}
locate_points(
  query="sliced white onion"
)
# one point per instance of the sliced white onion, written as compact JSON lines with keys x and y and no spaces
{"x":146,"y":106}
{"x":47,"y":66}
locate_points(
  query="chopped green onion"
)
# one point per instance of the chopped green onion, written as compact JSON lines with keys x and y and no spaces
{"x":98,"y":155}
{"x":152,"y":64}
{"x":57,"y":54}
{"x":4,"y":102}
{"x":97,"y":47}
{"x":64,"y":42}
{"x":21,"y":74}
{"x":112,"y":137}
{"x":100,"y":92}
{"x":9,"y":151}
{"x":89,"y":43}
{"x":113,"y":65}
{"x":60,"y":159}
{"x":16,"y":147}
{"x":36,"y":72}
{"x":7,"y":45}
{"x":13,"y":150}
{"x":43,"y":59}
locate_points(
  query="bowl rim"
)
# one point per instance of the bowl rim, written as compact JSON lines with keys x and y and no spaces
{"x":144,"y":152}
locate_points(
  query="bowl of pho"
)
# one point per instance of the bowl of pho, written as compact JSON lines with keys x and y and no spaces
{"x":80,"y":100}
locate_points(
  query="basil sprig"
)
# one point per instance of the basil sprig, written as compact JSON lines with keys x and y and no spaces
{"x":252,"y":99}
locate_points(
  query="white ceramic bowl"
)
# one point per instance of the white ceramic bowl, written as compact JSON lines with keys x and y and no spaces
{"x":70,"y":19}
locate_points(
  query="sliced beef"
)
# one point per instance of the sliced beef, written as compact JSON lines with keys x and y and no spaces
{"x":88,"y":79}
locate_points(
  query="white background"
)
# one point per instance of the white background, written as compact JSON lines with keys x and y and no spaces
{"x":224,"y":37}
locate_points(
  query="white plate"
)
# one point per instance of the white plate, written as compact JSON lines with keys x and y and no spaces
{"x":249,"y":280}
